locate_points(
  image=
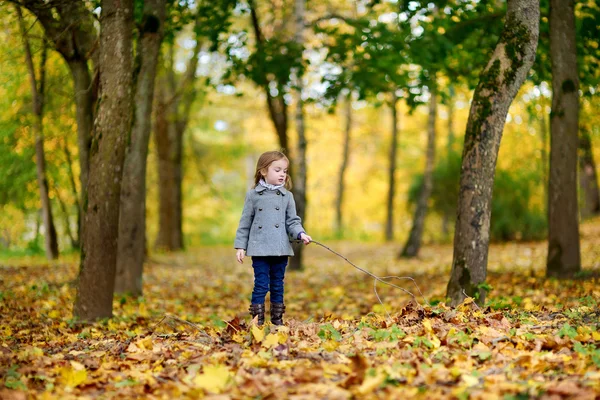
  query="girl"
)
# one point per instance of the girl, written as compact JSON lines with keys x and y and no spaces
{"x":267,"y":225}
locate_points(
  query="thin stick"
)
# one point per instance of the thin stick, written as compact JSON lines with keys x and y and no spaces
{"x":467,"y":296}
{"x":397,"y":277}
{"x":377,"y":278}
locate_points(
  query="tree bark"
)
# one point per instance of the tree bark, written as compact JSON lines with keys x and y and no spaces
{"x":389,"y":225}
{"x":113,"y":126}
{"x":339,"y":202}
{"x":587,"y":176}
{"x":301,"y":170}
{"x":498,"y":85}
{"x":37,"y":92}
{"x":564,"y":259}
{"x":132,"y":218}
{"x":413,"y":244}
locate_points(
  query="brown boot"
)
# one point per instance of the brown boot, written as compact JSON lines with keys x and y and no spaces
{"x":277,"y":310}
{"x":258,"y":309}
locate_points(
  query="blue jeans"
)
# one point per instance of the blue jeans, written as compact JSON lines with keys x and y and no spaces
{"x":268,"y":275}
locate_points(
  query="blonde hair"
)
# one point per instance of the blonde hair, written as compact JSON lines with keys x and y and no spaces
{"x":263,"y":163}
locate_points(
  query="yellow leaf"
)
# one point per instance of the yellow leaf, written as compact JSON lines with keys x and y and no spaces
{"x":73,"y":377}
{"x":470,"y":380}
{"x":427,"y":325}
{"x":596,"y":336}
{"x":258,"y":333}
{"x":54,"y":314}
{"x":371,"y":383}
{"x":214,"y":378}
{"x":271,"y":340}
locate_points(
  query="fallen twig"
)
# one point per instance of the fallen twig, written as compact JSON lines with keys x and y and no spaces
{"x":377,"y":278}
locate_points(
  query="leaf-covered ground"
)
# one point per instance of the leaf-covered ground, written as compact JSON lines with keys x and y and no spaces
{"x":536,"y":338}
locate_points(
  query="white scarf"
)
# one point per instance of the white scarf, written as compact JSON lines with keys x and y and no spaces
{"x":269,"y":186}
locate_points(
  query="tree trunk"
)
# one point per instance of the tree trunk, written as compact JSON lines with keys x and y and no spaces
{"x":37,"y":91}
{"x":111,"y":131}
{"x":84,"y":104}
{"x":389,"y":225}
{"x":65,"y":212}
{"x":169,"y":147}
{"x":172,"y":116}
{"x":498,"y":85}
{"x":275,"y":104}
{"x":587,"y":176}
{"x":564,"y":259}
{"x":339,"y":202}
{"x":132,"y":218}
{"x":413,"y":244}
{"x":446,"y":217}
{"x":300,"y":176}
{"x":544,"y":154}
{"x":75,"y":242}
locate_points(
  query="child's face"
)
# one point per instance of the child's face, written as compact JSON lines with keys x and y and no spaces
{"x":276,"y":172}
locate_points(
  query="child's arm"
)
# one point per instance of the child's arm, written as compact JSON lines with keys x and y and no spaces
{"x":243,"y":230}
{"x":293,"y":223}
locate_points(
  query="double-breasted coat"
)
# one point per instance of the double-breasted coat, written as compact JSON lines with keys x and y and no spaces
{"x":268,"y":223}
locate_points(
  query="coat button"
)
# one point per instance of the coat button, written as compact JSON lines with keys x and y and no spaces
{"x":276,"y":225}
{"x":260,"y":227}
{"x":278,"y":192}
{"x":277,"y":208}
{"x":260,"y":209}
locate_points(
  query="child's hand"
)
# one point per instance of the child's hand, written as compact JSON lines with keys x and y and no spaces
{"x":305,"y":238}
{"x":241,"y":253}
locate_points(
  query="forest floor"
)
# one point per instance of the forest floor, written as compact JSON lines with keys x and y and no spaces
{"x":190,"y":335}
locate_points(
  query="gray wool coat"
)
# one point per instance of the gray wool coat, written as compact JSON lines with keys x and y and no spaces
{"x":268,"y":223}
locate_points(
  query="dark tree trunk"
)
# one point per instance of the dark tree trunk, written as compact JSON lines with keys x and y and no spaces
{"x":587,"y":176}
{"x":339,"y":201}
{"x":132,"y":219}
{"x":37,"y":91}
{"x":169,"y":146}
{"x":413,"y":244}
{"x":301,"y":170}
{"x":564,"y":259}
{"x":389,"y":224}
{"x":498,"y":85}
{"x":111,"y":131}
{"x":174,"y":103}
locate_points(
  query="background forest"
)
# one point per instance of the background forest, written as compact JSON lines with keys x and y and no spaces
{"x":452,"y":141}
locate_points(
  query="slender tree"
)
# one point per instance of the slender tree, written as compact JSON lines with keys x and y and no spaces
{"x":413,"y":243}
{"x":69,"y":25}
{"x":300,"y":169}
{"x":132,"y":219}
{"x":173,"y":105}
{"x":339,"y":199}
{"x":113,"y":126}
{"x":564,"y":259}
{"x":499,"y":83}
{"x":37,"y":92}
{"x":389,"y":226}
